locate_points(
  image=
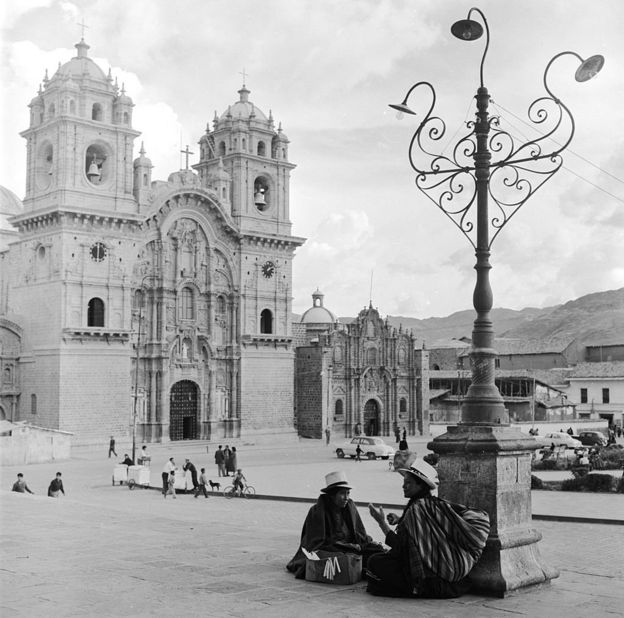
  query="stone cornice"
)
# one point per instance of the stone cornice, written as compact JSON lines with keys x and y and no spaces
{"x":266,"y":341}
{"x":272,"y":240}
{"x":94,"y":334}
{"x":54,"y":216}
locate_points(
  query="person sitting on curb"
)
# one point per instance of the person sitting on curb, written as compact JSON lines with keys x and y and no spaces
{"x":435,"y":545}
{"x":56,"y":487}
{"x":333,"y":524}
{"x":20,"y":485}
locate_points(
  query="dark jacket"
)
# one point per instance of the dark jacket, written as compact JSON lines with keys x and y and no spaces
{"x":320,"y":533}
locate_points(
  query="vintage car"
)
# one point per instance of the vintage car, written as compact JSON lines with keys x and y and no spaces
{"x":558,"y":438}
{"x":372,"y":447}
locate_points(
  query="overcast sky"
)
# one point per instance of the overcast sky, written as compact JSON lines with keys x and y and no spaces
{"x":327,"y":69}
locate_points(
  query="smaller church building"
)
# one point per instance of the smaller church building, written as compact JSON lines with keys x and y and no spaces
{"x":363,"y":377}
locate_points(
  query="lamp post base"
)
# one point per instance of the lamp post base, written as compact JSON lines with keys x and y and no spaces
{"x":489,"y":467}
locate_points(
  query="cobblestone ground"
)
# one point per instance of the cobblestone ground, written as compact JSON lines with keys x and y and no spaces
{"x":107,"y":551}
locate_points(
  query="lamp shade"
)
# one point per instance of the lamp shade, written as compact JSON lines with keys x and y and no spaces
{"x":589,"y":68}
{"x":467,"y":29}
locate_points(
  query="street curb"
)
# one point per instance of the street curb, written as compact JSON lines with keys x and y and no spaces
{"x":399,"y":507}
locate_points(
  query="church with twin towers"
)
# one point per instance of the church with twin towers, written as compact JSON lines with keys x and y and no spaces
{"x":168,"y":304}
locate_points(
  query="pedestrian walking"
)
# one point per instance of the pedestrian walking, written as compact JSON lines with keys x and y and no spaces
{"x":168,"y":468}
{"x":327,"y":435}
{"x":111,"y":447}
{"x":232,"y":462}
{"x":193,"y":470}
{"x":203,"y":481}
{"x":226,"y":459}
{"x":397,"y":433}
{"x":220,"y":461}
{"x":56,"y":487}
{"x":170,"y":486}
{"x":358,"y":453}
{"x":20,"y":485}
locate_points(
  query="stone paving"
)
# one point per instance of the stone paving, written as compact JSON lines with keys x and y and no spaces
{"x":107,"y":551}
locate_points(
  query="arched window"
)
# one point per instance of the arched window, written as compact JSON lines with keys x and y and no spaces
{"x":244,"y":144}
{"x":220,"y":305}
{"x":95,"y":312}
{"x":266,"y":322}
{"x":96,"y":112}
{"x":402,"y":405}
{"x":126,"y":118}
{"x":222,"y":149}
{"x":187,"y":308}
{"x":338,"y":408}
{"x":261,"y":149}
{"x":51,"y":110}
{"x":145,"y":180}
{"x":72,"y":106}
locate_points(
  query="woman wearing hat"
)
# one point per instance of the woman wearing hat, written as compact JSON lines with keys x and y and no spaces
{"x":435,"y":543}
{"x":332,"y":524}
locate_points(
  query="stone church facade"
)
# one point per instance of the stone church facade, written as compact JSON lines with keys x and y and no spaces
{"x":130,"y":300}
{"x":363,"y":377}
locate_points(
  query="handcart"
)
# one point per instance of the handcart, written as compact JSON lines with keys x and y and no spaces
{"x":138,"y":475}
{"x":120,"y":474}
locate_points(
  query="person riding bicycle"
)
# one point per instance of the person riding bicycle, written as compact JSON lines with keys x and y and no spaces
{"x":239,"y":480}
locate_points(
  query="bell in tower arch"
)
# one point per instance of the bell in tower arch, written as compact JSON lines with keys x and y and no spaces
{"x":94,"y":171}
{"x":259,"y":200}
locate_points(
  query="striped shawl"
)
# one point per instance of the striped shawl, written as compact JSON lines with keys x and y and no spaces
{"x":443,"y":538}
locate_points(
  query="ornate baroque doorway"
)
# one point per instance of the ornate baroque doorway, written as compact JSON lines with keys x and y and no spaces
{"x":371,"y":418}
{"x":183,"y":411}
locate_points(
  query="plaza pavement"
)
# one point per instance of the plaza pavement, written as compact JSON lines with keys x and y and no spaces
{"x":106,"y":551}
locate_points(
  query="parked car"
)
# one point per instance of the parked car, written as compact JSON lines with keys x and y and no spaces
{"x":592,"y":438}
{"x":372,"y":447}
{"x":558,"y":438}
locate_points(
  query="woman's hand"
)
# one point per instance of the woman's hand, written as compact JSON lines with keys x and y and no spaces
{"x":392,"y":518}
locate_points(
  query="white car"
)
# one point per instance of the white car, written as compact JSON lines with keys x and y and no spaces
{"x":558,"y":438}
{"x":372,"y":447}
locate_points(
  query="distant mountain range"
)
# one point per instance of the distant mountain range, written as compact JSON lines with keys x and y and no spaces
{"x":593,"y":319}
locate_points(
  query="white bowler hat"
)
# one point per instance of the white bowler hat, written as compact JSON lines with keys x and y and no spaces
{"x":423,"y":472}
{"x":336,"y":480}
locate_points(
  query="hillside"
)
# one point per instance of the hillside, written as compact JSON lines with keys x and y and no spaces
{"x":594,"y":318}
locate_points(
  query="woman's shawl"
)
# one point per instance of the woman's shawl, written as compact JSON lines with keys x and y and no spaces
{"x":317,"y":532}
{"x":446,"y":539}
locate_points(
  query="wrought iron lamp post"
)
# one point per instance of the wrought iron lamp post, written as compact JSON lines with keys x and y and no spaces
{"x":483,"y":460}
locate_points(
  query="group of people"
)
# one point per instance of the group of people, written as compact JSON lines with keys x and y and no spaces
{"x":433,"y":544}
{"x":200,"y":482}
{"x":226,"y":460}
{"x":55,"y":488}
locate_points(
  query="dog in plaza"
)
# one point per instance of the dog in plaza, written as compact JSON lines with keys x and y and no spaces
{"x":213,"y":485}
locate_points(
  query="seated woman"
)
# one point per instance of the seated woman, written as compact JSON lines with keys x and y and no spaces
{"x":333,"y":524}
{"x":435,"y":544}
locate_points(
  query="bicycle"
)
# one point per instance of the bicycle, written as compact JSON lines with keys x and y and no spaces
{"x":246,"y":492}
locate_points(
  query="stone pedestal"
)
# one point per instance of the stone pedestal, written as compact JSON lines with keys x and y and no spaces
{"x":489,"y":467}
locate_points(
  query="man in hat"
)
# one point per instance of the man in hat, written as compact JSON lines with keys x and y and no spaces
{"x":435,"y":543}
{"x":333,"y":524}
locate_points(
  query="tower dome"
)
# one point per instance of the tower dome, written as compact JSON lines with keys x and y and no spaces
{"x":80,"y":66}
{"x":318,"y":314}
{"x":243,"y":109}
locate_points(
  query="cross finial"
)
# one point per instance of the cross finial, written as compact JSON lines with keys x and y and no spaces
{"x":245,"y":75}
{"x":82,"y":26}
{"x":187,"y":152}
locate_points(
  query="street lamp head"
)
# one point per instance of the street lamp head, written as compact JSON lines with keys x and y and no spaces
{"x":467,"y":29}
{"x":589,"y":68}
{"x":402,"y":108}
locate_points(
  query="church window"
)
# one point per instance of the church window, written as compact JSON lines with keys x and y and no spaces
{"x":222,"y":149}
{"x":51,"y":110}
{"x":145,"y":180}
{"x":261,"y":149}
{"x":96,"y":112}
{"x":41,"y":252}
{"x":339,"y":408}
{"x":126,"y":118}
{"x":244,"y":144}
{"x":220,"y":305}
{"x":95,"y":312}
{"x":187,"y":308}
{"x":8,"y":378}
{"x":266,"y":322}
{"x":98,"y":252}
{"x":283,"y":153}
{"x":33,"y":404}
{"x":402,"y":405}
{"x":72,"y":106}
{"x":371,"y":356}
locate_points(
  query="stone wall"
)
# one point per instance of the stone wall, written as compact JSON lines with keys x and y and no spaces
{"x":29,"y":444}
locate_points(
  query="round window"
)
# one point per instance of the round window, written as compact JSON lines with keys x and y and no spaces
{"x":98,"y":252}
